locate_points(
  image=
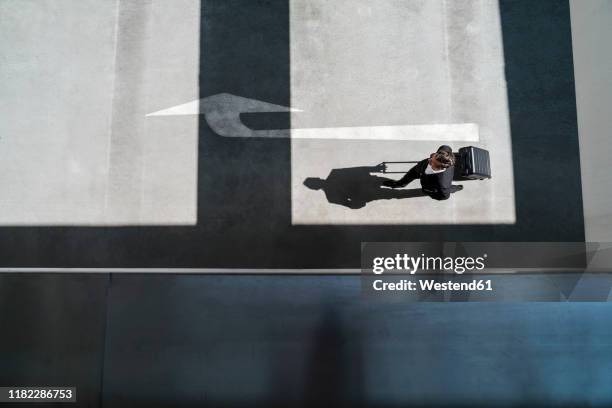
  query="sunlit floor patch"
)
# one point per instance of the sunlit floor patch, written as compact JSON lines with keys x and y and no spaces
{"x":78,"y":149}
{"x":387,"y":63}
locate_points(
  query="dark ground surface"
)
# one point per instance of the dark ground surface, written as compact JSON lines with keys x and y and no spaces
{"x":244,"y":199}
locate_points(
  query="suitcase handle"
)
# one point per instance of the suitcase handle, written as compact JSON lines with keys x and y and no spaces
{"x":395,"y":162}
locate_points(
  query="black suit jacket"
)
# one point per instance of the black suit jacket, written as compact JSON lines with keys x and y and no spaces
{"x":437,"y":185}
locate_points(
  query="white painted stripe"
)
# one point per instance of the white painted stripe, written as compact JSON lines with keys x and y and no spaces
{"x":189,"y":108}
{"x":279,"y":271}
{"x":222,"y":103}
{"x":465,"y":132}
{"x":203,"y":271}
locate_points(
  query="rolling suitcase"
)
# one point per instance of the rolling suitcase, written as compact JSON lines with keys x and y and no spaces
{"x":472,"y":163}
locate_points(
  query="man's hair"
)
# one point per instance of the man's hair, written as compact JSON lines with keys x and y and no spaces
{"x":445,"y":158}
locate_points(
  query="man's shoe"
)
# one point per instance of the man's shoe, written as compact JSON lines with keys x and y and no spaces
{"x":457,"y":187}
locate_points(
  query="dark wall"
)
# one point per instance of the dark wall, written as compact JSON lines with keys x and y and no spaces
{"x":187,"y":341}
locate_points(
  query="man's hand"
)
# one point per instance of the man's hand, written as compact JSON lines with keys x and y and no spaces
{"x":381,"y":168}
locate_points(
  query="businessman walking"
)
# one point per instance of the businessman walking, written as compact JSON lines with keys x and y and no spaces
{"x":435,"y":173}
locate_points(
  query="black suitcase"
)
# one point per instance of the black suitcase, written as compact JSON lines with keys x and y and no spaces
{"x":472,"y":163}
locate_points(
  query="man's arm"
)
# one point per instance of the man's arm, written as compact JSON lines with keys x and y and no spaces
{"x":413,"y":174}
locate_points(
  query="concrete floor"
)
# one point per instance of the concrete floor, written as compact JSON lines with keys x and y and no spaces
{"x":240,"y":196}
{"x":591,"y":30}
{"x":77,"y":79}
{"x":292,"y":340}
{"x":96,"y":159}
{"x":390,"y":63}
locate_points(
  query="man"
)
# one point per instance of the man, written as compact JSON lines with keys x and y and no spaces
{"x":436,"y":175}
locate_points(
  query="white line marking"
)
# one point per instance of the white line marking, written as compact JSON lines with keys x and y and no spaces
{"x":222,"y":104}
{"x":465,"y":132}
{"x":203,"y":271}
{"x":279,"y":271}
{"x":222,"y":113}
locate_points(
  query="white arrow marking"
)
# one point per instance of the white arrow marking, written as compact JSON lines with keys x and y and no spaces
{"x":222,"y":113}
{"x":222,"y":102}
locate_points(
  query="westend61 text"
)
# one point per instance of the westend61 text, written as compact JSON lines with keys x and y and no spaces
{"x":430,"y":284}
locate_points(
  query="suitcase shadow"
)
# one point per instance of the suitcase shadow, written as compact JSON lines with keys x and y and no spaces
{"x":354,"y":187}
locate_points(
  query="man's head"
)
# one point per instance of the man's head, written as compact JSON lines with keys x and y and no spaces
{"x":314,"y":183}
{"x":443,"y":158}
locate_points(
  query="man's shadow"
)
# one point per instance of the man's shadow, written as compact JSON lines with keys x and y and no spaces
{"x":354,"y":187}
